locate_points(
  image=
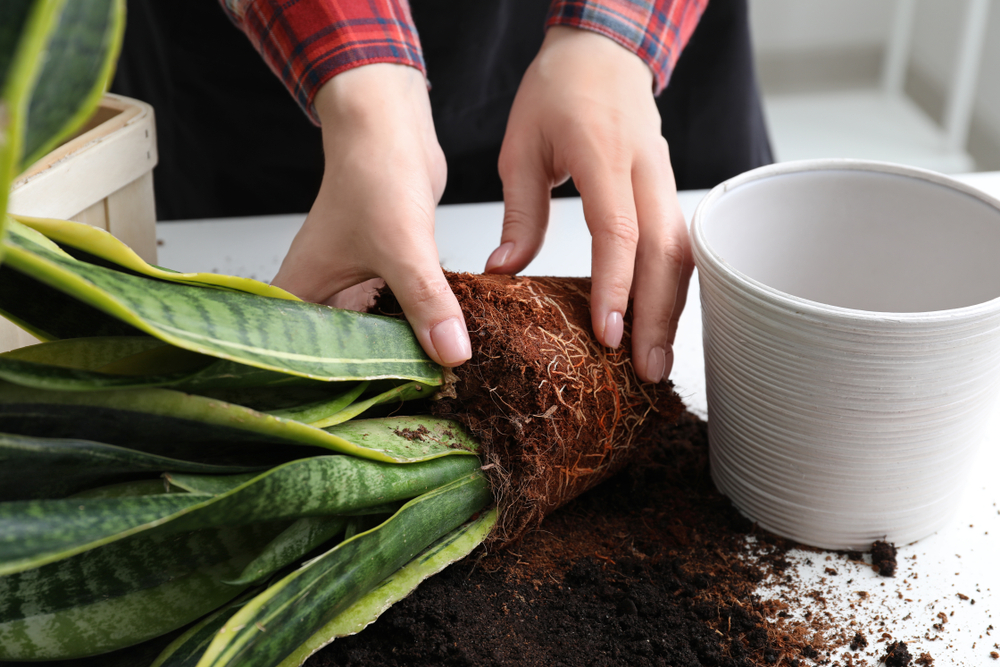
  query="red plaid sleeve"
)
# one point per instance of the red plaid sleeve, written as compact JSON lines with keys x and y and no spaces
{"x":307,"y":42}
{"x":655,"y":30}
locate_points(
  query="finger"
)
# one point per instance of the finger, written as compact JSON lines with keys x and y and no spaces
{"x":609,"y":209}
{"x":527,"y":191}
{"x":431,"y":308}
{"x":662,"y":258}
{"x":682,"y":291}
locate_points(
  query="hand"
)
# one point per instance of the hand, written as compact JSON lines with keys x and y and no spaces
{"x":585,"y":109}
{"x":374,"y":214}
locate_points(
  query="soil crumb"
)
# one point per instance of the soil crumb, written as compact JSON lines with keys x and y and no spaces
{"x":884,"y":558}
{"x":897,"y":655}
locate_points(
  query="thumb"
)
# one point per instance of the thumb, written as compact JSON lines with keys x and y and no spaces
{"x":526,"y":196}
{"x":430,"y":306}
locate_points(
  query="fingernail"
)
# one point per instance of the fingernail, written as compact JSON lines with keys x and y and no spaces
{"x":451,"y":342}
{"x":655,"y":364}
{"x":613,"y":329}
{"x":499,"y":256}
{"x":658,"y":363}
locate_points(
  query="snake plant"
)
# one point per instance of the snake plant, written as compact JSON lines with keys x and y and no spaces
{"x":195,"y":469}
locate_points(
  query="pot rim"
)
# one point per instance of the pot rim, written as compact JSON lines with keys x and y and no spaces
{"x":709,"y":261}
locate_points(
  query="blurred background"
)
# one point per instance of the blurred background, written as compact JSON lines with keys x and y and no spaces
{"x":909,"y":81}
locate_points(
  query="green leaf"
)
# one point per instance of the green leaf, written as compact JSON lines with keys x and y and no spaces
{"x":123,"y":593}
{"x":295,"y":542}
{"x":410,"y":391}
{"x":185,"y":650}
{"x":36,"y":532}
{"x":99,"y":246}
{"x":56,"y":60}
{"x":76,"y":71}
{"x":292,"y":337}
{"x":407,"y":437}
{"x":44,"y":376}
{"x":288,"y":613}
{"x":129,"y":489}
{"x":453,"y":547}
{"x":13,"y":19}
{"x":318,"y":410}
{"x":60,"y":467}
{"x":100,"y":363}
{"x":87,"y":354}
{"x":25,"y":29}
{"x":225,"y":374}
{"x":175,"y":424}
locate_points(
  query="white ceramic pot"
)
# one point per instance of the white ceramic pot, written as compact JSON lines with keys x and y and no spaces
{"x":851,"y":315}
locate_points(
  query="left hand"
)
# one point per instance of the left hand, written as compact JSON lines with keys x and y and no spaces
{"x":585,"y":109}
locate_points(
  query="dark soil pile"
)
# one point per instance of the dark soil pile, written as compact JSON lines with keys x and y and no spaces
{"x":649,"y":568}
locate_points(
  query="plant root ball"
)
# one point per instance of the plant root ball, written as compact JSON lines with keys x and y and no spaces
{"x":556,"y":412}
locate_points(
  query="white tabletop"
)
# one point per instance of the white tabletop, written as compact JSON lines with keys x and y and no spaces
{"x":961,"y":559}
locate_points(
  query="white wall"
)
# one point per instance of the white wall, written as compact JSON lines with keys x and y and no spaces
{"x":785,"y":28}
{"x":988,"y":97}
{"x":793,"y":25}
{"x":936,"y":34}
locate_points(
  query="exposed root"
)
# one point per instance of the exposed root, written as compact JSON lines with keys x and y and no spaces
{"x":555,"y":411}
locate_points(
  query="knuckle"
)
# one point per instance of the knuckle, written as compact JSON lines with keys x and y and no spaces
{"x":616,"y":288}
{"x":674,"y":251}
{"x":517,"y":225}
{"x":620,"y":229}
{"x":426,"y":291}
{"x":517,"y":222}
{"x":620,"y":292}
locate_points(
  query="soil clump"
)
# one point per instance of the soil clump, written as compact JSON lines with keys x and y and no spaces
{"x":897,"y":655}
{"x":884,"y":558}
{"x":555,"y":411}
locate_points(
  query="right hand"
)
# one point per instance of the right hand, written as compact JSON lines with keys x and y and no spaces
{"x":374,"y":215}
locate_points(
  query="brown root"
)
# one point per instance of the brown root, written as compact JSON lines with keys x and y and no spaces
{"x":555,"y":411}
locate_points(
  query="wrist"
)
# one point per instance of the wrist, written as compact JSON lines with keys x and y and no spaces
{"x":372,"y":95}
{"x":377,"y":118}
{"x":579,"y":47}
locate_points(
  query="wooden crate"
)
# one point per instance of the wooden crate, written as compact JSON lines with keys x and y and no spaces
{"x":102,"y":176}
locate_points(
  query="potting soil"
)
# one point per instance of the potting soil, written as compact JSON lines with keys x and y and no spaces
{"x":650,"y":568}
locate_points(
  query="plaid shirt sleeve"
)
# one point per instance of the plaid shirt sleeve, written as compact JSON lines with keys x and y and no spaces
{"x":307,"y":42}
{"x":655,"y":30}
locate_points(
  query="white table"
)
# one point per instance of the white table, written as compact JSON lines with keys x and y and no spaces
{"x":962,"y":558}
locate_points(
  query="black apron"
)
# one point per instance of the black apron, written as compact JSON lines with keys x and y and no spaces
{"x":232,"y":141}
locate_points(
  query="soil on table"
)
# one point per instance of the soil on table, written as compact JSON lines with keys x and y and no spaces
{"x":645,"y":569}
